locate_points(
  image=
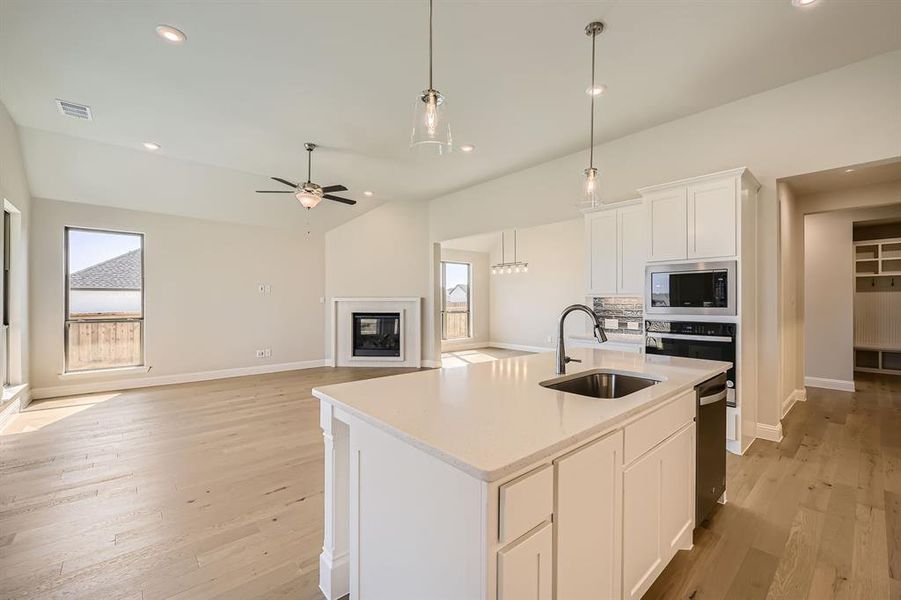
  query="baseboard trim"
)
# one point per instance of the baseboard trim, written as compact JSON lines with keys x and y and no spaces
{"x":460,"y":346}
{"x":15,"y":398}
{"x":110,"y":385}
{"x":431,"y":364}
{"x":521,"y":347}
{"x":829,"y":384}
{"x":793,"y":398}
{"x":772,"y":433}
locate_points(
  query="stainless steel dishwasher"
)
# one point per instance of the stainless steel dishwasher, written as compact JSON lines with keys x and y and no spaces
{"x":710,"y":475}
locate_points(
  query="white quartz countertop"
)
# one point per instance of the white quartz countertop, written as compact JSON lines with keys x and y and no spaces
{"x":491,"y":419}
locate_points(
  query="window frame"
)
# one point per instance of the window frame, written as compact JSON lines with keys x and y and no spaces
{"x":142,"y":364}
{"x":469,"y":302}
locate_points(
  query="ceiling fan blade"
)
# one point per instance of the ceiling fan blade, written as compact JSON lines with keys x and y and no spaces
{"x":339,"y":199}
{"x":274,"y":192}
{"x":334,"y":188}
{"x":285,"y":181}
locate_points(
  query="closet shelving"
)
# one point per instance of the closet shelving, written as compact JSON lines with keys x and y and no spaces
{"x":877,"y":306}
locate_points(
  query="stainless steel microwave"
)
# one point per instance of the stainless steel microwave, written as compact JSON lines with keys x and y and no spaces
{"x":703,"y":288}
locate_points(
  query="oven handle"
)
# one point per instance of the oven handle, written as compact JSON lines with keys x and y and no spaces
{"x":712,"y":399}
{"x":697,"y":338}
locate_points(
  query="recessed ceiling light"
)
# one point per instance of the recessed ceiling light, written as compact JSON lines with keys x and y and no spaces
{"x":803,"y":3}
{"x":849,"y":170}
{"x":597,"y":90}
{"x":152,"y":146}
{"x":171,"y":34}
{"x":467,"y":148}
{"x":367,"y":193}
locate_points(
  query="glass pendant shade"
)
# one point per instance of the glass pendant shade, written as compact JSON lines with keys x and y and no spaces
{"x":308,"y":199}
{"x":431,"y":127}
{"x":590,"y":196}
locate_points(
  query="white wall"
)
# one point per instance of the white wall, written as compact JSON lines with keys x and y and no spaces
{"x":828,"y":273}
{"x":480,"y":314}
{"x":203,"y":309}
{"x":15,"y":190}
{"x":792,"y":291}
{"x":525,"y":306}
{"x":386,"y":252}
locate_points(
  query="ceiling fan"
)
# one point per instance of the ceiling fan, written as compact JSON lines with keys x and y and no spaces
{"x":308,"y":193}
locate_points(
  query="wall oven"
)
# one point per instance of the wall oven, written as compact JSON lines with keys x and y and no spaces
{"x":709,"y":341}
{"x":704,"y":288}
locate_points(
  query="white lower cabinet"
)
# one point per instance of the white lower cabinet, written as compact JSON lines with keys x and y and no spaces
{"x":525,"y":568}
{"x":658,"y":510}
{"x":589,"y":520}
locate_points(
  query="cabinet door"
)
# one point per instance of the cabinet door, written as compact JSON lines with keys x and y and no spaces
{"x":668,"y":225}
{"x":712,"y":219}
{"x":658,"y":510}
{"x":601,"y":247}
{"x":524,"y":569}
{"x":677,"y":513}
{"x":632,"y":251}
{"x":589,"y":520}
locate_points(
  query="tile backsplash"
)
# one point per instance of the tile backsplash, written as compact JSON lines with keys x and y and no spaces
{"x":623,"y":310}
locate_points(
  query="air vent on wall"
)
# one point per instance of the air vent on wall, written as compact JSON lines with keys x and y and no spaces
{"x":74,"y":110}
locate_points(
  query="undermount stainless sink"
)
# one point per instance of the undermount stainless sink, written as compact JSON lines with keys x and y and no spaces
{"x":599,"y":383}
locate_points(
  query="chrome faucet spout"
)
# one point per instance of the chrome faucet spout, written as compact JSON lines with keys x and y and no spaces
{"x":599,"y":335}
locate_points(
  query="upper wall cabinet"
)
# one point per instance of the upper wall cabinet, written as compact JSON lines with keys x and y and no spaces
{"x":696,"y":218}
{"x":615,"y":250}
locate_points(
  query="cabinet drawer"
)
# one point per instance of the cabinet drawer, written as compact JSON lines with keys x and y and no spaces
{"x":525,"y":569}
{"x":647,"y":432}
{"x":525,"y":502}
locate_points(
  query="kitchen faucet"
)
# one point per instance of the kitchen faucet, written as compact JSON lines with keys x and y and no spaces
{"x":599,"y":334}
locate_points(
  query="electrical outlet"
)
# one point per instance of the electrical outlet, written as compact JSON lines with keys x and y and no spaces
{"x":268,"y":289}
{"x":611,"y":324}
{"x":261,"y":289}
{"x":261,"y":354}
{"x":633,"y":325}
{"x":267,"y":353}
{"x":550,"y":339}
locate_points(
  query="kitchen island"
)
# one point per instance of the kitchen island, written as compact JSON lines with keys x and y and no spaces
{"x":479,"y":483}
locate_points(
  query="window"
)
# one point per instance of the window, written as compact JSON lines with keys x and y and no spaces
{"x":104,"y":300}
{"x":456,"y":301}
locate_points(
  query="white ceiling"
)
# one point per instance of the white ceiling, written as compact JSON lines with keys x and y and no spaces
{"x":846,"y":178}
{"x":256,"y":80}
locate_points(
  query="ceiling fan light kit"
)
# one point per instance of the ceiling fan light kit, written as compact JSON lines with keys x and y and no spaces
{"x":431,"y":127}
{"x":310,"y":194}
{"x":590,"y":197}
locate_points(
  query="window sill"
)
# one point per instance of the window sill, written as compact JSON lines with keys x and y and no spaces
{"x":105,"y":372}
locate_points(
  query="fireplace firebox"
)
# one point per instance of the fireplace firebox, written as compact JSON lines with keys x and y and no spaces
{"x":376,"y":334}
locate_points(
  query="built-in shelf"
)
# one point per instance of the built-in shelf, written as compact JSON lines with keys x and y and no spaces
{"x":877,"y":345}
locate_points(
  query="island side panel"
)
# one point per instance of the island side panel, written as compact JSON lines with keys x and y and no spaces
{"x":334,"y":561}
{"x":417,"y":524}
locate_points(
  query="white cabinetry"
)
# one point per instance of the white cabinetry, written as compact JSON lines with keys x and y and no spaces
{"x":589,"y":520}
{"x":696,"y":218}
{"x":616,"y":248}
{"x":525,"y":569}
{"x":658,"y":510}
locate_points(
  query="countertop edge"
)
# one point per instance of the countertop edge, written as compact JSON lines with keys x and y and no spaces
{"x":493,"y":475}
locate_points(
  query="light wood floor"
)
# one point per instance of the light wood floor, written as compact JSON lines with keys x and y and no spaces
{"x":214,"y":490}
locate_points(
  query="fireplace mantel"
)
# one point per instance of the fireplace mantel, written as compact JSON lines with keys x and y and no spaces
{"x":342,"y":310}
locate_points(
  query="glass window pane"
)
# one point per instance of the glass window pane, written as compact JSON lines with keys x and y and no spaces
{"x":103,"y":344}
{"x":105,"y":274}
{"x":457,"y":300}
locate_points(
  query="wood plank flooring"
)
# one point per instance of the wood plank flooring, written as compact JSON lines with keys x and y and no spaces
{"x":214,"y":490}
{"x":816,"y":516}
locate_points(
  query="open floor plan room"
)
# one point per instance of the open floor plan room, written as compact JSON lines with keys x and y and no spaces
{"x":497,"y":300}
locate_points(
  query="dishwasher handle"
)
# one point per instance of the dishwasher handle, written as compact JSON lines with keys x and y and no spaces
{"x":712,"y":398}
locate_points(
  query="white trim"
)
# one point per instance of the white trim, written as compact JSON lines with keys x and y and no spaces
{"x":105,"y":372}
{"x":431,"y":364}
{"x":829,"y":384}
{"x":799,"y":395}
{"x":16,"y":397}
{"x":522,"y":347}
{"x":467,"y":344}
{"x":127,"y":384}
{"x":772,"y":433}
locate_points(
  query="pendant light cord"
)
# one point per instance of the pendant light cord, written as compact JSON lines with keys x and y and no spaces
{"x":430,"y":45}
{"x":594,"y":36}
{"x":309,"y":165}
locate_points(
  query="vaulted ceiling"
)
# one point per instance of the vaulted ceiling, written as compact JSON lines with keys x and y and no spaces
{"x":253,"y":81}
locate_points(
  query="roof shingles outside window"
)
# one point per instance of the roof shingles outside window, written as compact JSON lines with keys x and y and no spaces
{"x":121,"y":272}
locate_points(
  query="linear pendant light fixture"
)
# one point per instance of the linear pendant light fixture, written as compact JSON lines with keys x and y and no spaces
{"x":590,"y":188}
{"x":516,"y":266}
{"x":431,"y":128}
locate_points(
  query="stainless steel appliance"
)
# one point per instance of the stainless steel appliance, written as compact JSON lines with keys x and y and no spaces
{"x":692,"y":339}
{"x":704,"y":288}
{"x":710,"y":473}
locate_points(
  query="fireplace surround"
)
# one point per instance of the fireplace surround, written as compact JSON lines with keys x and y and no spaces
{"x":376,"y":332}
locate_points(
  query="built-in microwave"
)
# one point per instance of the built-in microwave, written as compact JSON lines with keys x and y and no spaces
{"x":703,"y":288}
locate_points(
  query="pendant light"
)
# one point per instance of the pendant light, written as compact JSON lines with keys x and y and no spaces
{"x":516,"y":266}
{"x":590,"y":197}
{"x":431,"y":128}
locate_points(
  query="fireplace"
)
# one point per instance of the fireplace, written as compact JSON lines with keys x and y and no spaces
{"x":376,"y":334}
